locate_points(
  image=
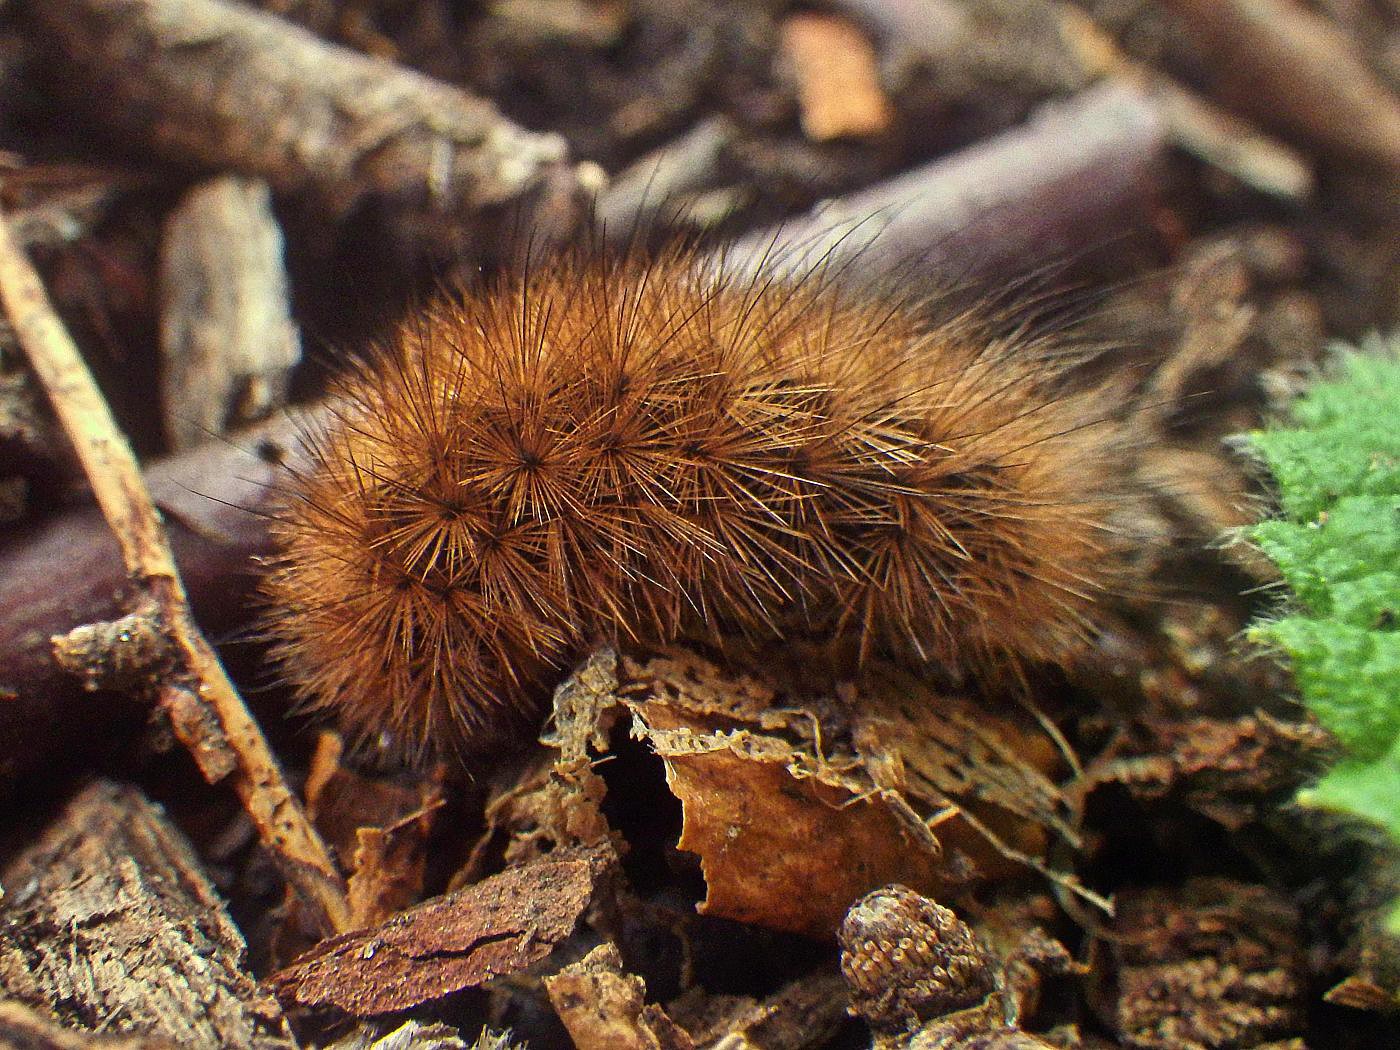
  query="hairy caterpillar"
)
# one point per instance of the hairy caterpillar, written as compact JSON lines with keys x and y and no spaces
{"x":642,"y":448}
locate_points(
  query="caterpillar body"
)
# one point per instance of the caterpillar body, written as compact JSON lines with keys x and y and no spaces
{"x":637,"y":449}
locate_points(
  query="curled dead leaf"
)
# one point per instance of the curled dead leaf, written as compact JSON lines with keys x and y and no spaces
{"x":795,"y":811}
{"x":798,"y":803}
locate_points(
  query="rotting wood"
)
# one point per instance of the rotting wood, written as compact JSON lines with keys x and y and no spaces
{"x":109,"y":920}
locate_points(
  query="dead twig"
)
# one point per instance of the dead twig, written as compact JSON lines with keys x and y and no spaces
{"x":206,"y":711}
{"x":67,"y":569}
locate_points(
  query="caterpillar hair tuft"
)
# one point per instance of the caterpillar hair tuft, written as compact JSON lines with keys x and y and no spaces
{"x":642,"y":448}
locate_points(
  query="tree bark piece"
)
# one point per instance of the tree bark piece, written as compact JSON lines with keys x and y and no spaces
{"x":227,"y":86}
{"x":109,"y":920}
{"x":462,"y":939}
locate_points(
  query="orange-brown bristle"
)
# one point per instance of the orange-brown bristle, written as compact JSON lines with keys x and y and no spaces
{"x":636,"y":449}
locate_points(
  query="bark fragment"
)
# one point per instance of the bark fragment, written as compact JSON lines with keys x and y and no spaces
{"x":109,"y":920}
{"x":1211,"y":964}
{"x":449,"y":943}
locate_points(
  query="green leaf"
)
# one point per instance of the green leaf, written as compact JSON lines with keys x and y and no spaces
{"x":1362,"y":788}
{"x":1337,"y":546}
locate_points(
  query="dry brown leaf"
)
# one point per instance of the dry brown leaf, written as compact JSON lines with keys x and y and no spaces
{"x":785,"y":852}
{"x":378,"y":826}
{"x":556,"y":802}
{"x":791,"y":828}
{"x":449,"y":943}
{"x":798,"y":803}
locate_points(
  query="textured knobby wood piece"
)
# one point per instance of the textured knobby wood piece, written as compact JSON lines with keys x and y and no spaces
{"x":1207,"y":963}
{"x":227,"y":339}
{"x":109,"y":920}
{"x":228,"y":86}
{"x":923,"y":980}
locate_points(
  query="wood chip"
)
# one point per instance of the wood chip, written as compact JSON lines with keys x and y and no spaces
{"x":605,"y":1008}
{"x":457,"y":941}
{"x":838,"y":82}
{"x":227,"y":338}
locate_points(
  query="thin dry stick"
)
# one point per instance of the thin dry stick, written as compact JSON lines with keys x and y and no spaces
{"x":207,"y":713}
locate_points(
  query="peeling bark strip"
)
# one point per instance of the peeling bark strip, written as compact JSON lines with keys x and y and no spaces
{"x":460,"y":940}
{"x":231,"y":87}
{"x":110,"y":919}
